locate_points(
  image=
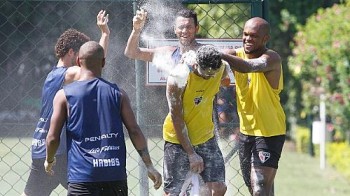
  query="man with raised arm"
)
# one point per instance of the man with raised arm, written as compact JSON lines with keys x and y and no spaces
{"x":65,"y":72}
{"x":185,"y":27}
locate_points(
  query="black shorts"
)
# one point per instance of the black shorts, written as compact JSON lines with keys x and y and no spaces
{"x":176,"y":165}
{"x":259,"y":151}
{"x":112,"y":188}
{"x":40,"y":183}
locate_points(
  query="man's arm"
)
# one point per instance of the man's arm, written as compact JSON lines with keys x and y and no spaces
{"x":102,"y":20}
{"x":73,"y":73}
{"x":174,"y":95}
{"x":58,"y":118}
{"x":268,"y":61}
{"x":138,"y":139}
{"x":229,"y":51}
{"x":132,"y":49}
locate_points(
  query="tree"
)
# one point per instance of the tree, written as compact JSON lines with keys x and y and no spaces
{"x":321,"y":64}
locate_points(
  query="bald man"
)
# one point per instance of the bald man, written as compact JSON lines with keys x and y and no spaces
{"x":94,"y":111}
{"x":259,"y":82}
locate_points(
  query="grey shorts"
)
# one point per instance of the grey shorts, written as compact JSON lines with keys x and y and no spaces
{"x":40,"y":183}
{"x":176,"y":165}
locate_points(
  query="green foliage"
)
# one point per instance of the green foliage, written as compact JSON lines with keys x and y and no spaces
{"x":338,"y":156}
{"x":321,"y":61}
{"x":284,"y":17}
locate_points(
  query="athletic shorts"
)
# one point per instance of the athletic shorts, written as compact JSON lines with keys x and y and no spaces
{"x":176,"y":165}
{"x":40,"y":183}
{"x":259,"y":151}
{"x":111,"y":188}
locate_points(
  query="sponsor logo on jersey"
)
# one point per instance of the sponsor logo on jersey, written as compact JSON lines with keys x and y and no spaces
{"x":103,"y":149}
{"x":101,"y":137}
{"x":197,"y":100}
{"x":112,"y":162}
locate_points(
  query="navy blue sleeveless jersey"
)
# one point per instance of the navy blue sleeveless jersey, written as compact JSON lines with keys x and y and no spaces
{"x":95,"y":138}
{"x":54,"y":82}
{"x":176,"y":56}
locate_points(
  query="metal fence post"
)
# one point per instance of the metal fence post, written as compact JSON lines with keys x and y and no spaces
{"x":257,"y":8}
{"x":139,"y":83}
{"x":142,"y":169}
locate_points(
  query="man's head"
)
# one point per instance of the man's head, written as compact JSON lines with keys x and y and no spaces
{"x":187,"y":13}
{"x":70,"y":41}
{"x":208,"y":61}
{"x":91,"y":56}
{"x":256,"y":34}
{"x":186,"y":26}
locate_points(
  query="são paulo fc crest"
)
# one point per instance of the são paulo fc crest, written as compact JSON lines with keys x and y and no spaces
{"x":197,"y":100}
{"x":264,"y":156}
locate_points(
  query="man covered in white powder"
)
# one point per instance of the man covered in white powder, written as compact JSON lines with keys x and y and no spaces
{"x":185,"y":27}
{"x":185,"y":77}
{"x":188,"y":129}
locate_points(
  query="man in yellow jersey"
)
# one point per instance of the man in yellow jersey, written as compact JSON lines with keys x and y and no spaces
{"x":188,"y":130}
{"x":185,"y":27}
{"x":259,"y":81}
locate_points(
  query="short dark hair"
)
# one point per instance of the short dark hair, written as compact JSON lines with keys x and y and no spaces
{"x":91,"y":53}
{"x":207,"y":56}
{"x":70,"y":39}
{"x":187,"y":13}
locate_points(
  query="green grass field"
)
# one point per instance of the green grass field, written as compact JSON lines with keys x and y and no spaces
{"x":299,"y":174}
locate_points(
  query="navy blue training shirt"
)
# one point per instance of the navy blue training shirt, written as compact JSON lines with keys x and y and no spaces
{"x":95,"y":138}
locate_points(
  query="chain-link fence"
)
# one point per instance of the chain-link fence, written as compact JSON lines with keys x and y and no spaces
{"x":28,"y":32}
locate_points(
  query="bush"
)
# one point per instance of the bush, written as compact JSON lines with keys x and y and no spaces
{"x":302,"y":139}
{"x":338,"y":156}
{"x":321,"y":65}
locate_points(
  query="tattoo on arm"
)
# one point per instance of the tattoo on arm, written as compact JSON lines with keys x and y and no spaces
{"x":258,"y":64}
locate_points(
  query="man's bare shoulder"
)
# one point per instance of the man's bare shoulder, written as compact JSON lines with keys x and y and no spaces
{"x":73,"y":70}
{"x":273,"y":56}
{"x":72,"y":73}
{"x":271,"y":52}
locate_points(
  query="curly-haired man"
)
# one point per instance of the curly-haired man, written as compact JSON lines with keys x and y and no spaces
{"x":65,"y":72}
{"x":188,"y":129}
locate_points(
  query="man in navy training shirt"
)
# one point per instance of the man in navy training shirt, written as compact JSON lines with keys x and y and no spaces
{"x":94,"y":111}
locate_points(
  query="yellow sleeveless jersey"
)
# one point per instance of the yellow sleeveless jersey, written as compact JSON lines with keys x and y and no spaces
{"x":197,"y":102}
{"x":259,"y":107}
